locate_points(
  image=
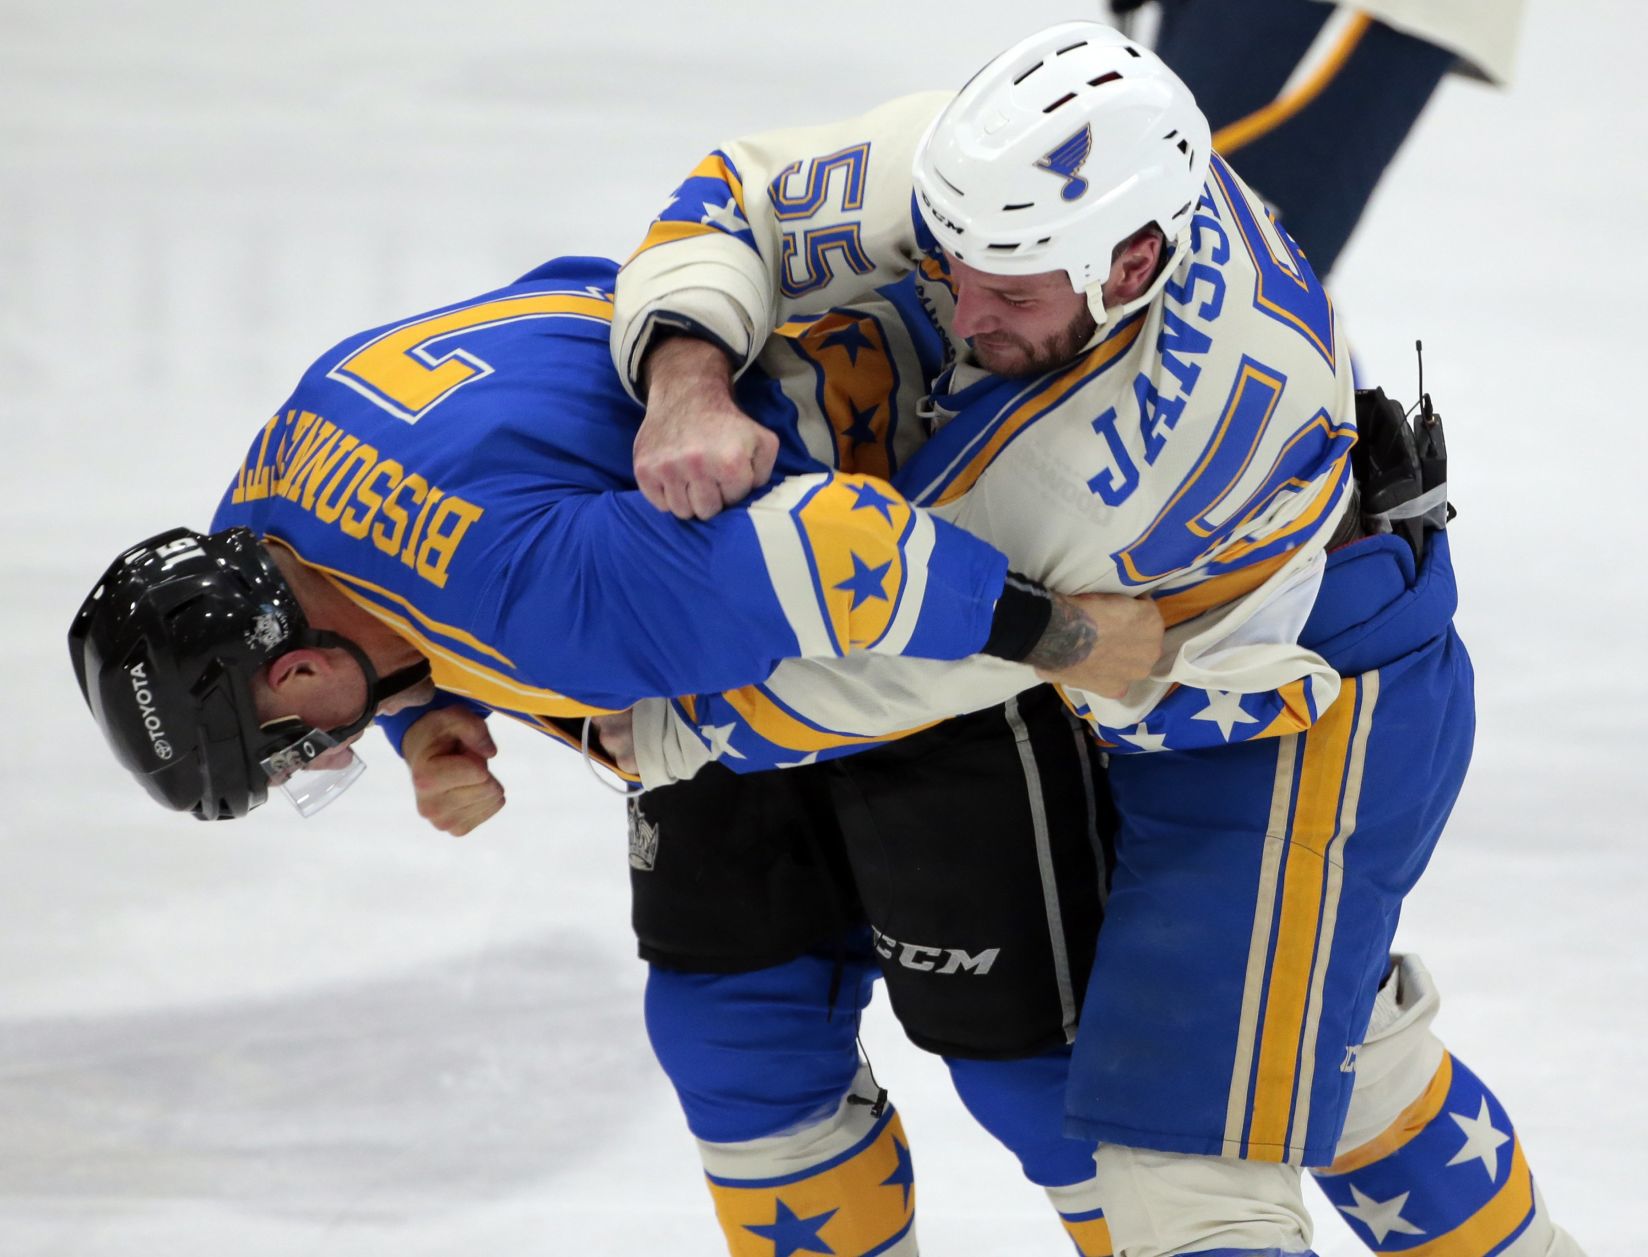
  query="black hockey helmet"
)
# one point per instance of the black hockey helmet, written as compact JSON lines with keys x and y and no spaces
{"x":165,"y":649}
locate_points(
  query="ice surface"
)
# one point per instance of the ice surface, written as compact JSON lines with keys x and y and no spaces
{"x":357,"y":1037}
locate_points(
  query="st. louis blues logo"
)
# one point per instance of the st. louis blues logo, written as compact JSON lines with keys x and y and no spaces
{"x":1066,"y":158}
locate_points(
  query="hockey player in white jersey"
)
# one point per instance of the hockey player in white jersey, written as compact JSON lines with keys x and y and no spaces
{"x":1153,"y":396}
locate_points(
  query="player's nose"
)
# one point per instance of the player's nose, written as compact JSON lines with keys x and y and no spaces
{"x":972,"y":313}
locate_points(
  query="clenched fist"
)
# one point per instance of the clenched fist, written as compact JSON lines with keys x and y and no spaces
{"x":617,"y":734}
{"x":447,"y":752}
{"x":697,"y":452}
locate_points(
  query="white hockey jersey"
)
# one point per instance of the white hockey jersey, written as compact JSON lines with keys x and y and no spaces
{"x":1197,"y":451}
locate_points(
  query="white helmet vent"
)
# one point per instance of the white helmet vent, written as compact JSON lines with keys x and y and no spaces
{"x":1188,"y":153}
{"x":1015,"y":246}
{"x":1034,"y":168}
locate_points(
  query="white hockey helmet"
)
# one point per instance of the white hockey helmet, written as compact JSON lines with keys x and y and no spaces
{"x":1057,"y":151}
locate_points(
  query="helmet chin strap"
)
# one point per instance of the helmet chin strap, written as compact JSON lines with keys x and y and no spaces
{"x":291,"y":744}
{"x":1106,"y":316}
{"x":1100,"y":312}
{"x":378,"y":689}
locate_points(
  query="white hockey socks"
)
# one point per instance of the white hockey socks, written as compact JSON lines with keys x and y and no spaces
{"x":1164,"y":1203}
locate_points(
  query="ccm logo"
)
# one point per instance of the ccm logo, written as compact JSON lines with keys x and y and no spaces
{"x":934,"y":959}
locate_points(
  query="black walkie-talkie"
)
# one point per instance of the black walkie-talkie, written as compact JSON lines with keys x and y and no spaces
{"x":1429,"y":441}
{"x":1401,"y":468}
{"x":1385,"y":460}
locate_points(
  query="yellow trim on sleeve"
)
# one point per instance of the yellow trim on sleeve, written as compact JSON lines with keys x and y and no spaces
{"x":668,"y":233}
{"x":542,"y":724}
{"x":341,"y":579}
{"x":712,"y":167}
{"x":454,"y":673}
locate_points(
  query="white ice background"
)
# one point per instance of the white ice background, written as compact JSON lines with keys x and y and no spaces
{"x":356,"y":1037}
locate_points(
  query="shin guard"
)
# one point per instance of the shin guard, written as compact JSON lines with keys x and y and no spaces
{"x":1083,"y":1218}
{"x":842,"y":1186}
{"x":1430,"y":1162}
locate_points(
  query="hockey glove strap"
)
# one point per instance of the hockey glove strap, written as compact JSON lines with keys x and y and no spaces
{"x":1022,"y":614}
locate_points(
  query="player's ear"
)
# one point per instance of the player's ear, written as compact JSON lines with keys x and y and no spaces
{"x":294,"y":666}
{"x":1134,"y":267}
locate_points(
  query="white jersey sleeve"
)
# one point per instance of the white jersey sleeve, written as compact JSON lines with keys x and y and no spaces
{"x":1198,"y":453}
{"x":785,"y":223}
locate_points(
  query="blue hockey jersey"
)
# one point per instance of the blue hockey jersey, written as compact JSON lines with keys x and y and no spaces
{"x":464,"y":476}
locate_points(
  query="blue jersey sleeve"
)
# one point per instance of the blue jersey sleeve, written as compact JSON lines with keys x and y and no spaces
{"x":395,"y":726}
{"x":463,"y":476}
{"x":614,"y":601}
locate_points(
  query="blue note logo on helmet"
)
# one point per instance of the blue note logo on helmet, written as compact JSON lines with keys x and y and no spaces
{"x":1067,"y":159}
{"x":1085,"y":103}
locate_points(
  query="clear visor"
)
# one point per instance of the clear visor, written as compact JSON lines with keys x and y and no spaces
{"x":313,"y":770}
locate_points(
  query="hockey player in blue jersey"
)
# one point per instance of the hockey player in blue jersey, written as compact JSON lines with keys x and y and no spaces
{"x":1243,"y":1019}
{"x":446,"y":503}
{"x":441,"y":521}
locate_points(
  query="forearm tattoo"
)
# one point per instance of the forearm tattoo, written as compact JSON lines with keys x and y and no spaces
{"x":1068,"y":639}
